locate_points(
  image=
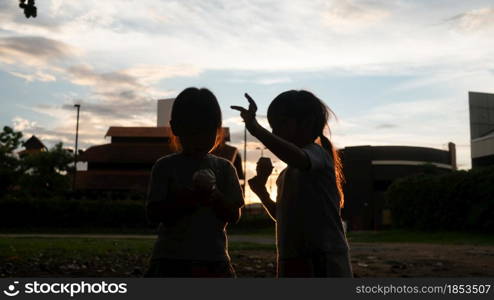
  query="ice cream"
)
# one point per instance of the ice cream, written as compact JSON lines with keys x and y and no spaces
{"x":204,"y":179}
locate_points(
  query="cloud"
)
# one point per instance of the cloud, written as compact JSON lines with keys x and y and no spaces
{"x":426,"y":122}
{"x":37,"y":76}
{"x":149,"y":74}
{"x":86,"y":75}
{"x":34,"y":50}
{"x":270,"y":81}
{"x":21,"y":124}
{"x":92,"y":126}
{"x":386,"y":126}
{"x":118,"y":98}
{"x":347,"y":15}
{"x":474,"y":20}
{"x":123,"y":52}
{"x":12,"y":18}
{"x":358,"y":36}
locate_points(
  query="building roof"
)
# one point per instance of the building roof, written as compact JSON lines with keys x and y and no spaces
{"x":125,"y":153}
{"x":113,"y":180}
{"x":396,"y":153}
{"x":33,"y":143}
{"x":153,"y":132}
{"x":489,"y":133}
{"x":139,"y":153}
{"x":157,"y":132}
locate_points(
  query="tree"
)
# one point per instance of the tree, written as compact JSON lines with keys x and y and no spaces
{"x":45,"y":173}
{"x":9,"y":162}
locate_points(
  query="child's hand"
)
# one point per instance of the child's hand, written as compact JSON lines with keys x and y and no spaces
{"x":258,"y":186}
{"x":204,"y":180}
{"x":187,"y":197}
{"x":264,"y":167}
{"x":248,"y":115}
{"x":192,"y":197}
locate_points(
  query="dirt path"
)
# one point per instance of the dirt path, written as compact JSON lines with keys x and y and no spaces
{"x":391,"y":260}
{"x":422,"y":260}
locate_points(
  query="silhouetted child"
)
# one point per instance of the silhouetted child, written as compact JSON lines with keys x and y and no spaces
{"x":193,"y":194}
{"x":309,"y":232}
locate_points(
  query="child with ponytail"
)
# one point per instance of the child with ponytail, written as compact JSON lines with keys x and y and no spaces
{"x":309,"y":233}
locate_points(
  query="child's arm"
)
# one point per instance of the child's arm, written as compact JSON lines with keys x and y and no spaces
{"x":224,"y":209}
{"x":258,"y":186}
{"x":227,"y":198}
{"x":288,"y":152}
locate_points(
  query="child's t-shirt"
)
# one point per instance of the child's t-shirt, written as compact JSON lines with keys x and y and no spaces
{"x":199,"y":235}
{"x":308,"y":217}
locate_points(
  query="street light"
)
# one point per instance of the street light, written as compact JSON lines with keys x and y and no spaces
{"x":245,"y":160}
{"x":78,"y":106}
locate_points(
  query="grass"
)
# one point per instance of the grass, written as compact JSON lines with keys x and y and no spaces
{"x":261,"y":231}
{"x":81,"y":230}
{"x":440,"y":237}
{"x":84,"y":248}
{"x":88,"y":247}
{"x":78,"y":248}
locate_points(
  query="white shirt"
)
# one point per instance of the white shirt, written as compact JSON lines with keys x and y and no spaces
{"x":308,"y":208}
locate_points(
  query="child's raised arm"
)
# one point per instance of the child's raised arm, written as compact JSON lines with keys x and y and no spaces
{"x":288,"y":152}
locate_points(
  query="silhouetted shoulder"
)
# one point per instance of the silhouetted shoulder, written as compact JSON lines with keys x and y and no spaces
{"x":221,"y":163}
{"x":166,"y":160}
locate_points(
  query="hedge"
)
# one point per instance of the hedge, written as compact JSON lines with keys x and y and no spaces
{"x":64,"y":213}
{"x":461,"y":200}
{"x":69,"y":213}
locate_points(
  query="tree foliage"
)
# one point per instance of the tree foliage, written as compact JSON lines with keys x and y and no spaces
{"x":460,"y":200}
{"x":9,"y":162}
{"x":38,"y":174}
{"x":45,"y":173}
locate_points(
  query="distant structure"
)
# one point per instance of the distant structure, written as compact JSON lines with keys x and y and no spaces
{"x":370,"y":170}
{"x":32,"y":145}
{"x":125,"y":163}
{"x":481,"y":128}
{"x":164,"y":112}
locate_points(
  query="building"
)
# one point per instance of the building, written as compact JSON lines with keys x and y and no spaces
{"x":125,"y":163}
{"x":32,"y":145}
{"x":370,"y":170}
{"x":481,"y":128}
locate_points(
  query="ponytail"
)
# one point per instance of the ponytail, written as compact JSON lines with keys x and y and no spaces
{"x":338,"y":166}
{"x":301,"y":106}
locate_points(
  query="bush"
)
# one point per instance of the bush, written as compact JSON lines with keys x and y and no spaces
{"x":252,"y":223}
{"x":70,"y":213}
{"x":461,"y":200}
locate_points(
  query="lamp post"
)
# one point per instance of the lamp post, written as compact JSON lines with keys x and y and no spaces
{"x":245,"y":160}
{"x":78,"y":106}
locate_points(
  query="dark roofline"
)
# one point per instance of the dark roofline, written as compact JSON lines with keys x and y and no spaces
{"x":152,"y":132}
{"x":486,"y":134}
{"x":34,"y":143}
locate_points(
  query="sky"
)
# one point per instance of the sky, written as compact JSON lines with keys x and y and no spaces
{"x":394,"y":72}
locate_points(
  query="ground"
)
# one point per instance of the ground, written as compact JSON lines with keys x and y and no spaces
{"x":391,"y":260}
{"x":252,"y":256}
